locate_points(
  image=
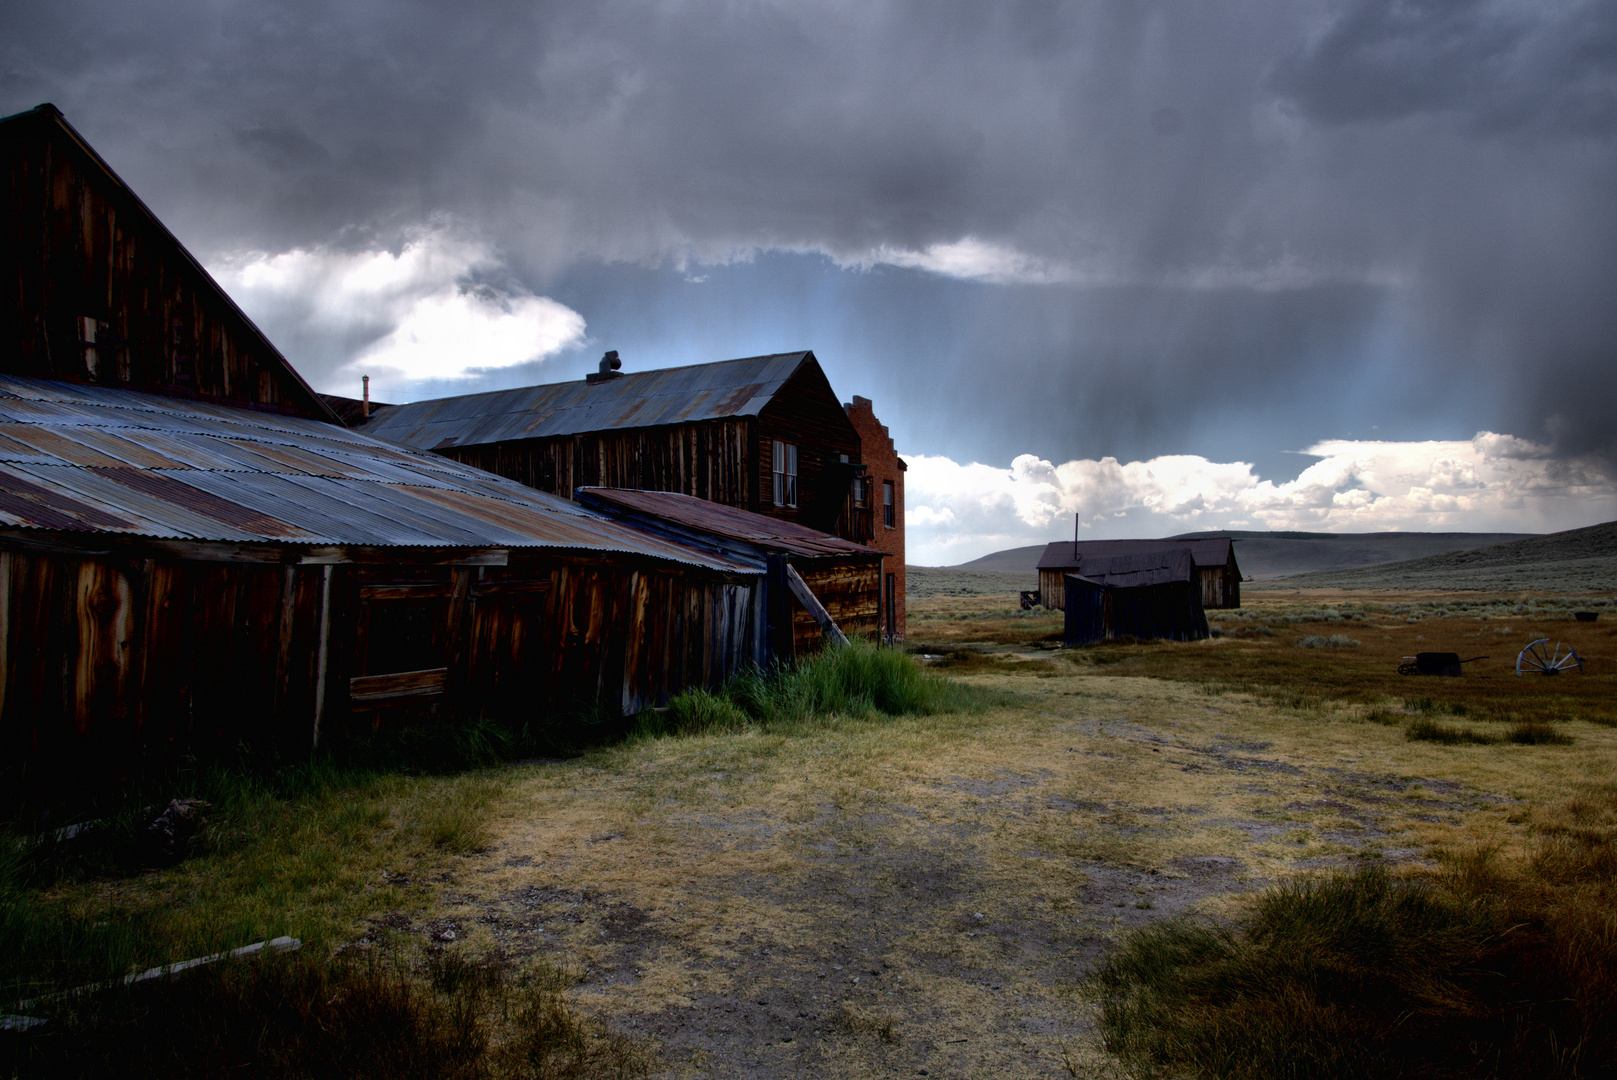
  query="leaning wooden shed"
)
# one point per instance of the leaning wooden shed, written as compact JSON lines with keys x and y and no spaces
{"x":1147,"y":595}
{"x":1217,"y":574}
{"x":843,"y":580}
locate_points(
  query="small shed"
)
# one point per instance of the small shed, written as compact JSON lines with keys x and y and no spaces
{"x":1217,"y":573}
{"x":1147,"y":594}
{"x":843,"y":579}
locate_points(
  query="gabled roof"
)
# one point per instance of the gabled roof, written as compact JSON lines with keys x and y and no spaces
{"x":47,"y":122}
{"x":717,"y":520}
{"x":1137,"y":568}
{"x":1060,"y":555}
{"x":101,"y":460}
{"x":729,"y":388}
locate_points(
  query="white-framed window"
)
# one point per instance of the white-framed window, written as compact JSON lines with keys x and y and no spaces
{"x":785,"y":469}
{"x":887,"y":511}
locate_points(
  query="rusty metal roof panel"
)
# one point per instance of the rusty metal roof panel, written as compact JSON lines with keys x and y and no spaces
{"x":716,"y":519}
{"x":1061,"y":555}
{"x":730,"y":388}
{"x":104,"y":460}
{"x":1138,"y":568}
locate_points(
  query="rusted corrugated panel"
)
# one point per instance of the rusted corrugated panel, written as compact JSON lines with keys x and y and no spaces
{"x":104,"y":460}
{"x":1064,"y":555}
{"x":639,"y":399}
{"x":759,"y":530}
{"x":1137,"y":568}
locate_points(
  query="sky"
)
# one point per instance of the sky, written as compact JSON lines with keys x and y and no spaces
{"x":1338,"y":266}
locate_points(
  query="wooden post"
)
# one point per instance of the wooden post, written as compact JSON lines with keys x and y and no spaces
{"x":322,"y":662}
{"x":812,"y":605}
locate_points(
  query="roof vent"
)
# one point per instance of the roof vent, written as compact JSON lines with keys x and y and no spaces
{"x":609,"y":369}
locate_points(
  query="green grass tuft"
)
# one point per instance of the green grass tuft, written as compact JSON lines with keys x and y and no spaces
{"x":300,"y":1017}
{"x":1532,"y":733}
{"x":1359,"y":975}
{"x":1431,"y":731}
{"x":856,"y":680}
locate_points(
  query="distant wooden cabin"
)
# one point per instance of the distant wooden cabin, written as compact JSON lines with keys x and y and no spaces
{"x":1150,"y":595}
{"x":196,"y":556}
{"x":764,"y":434}
{"x":1217,"y":572}
{"x":843,"y":577}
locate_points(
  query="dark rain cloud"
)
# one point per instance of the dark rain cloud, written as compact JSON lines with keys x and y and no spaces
{"x":1291,"y":220}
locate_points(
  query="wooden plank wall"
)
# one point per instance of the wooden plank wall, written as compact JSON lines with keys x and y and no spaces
{"x":806,"y":412}
{"x":709,"y":460}
{"x":849,"y":589}
{"x":113,"y":670}
{"x":74,"y":245}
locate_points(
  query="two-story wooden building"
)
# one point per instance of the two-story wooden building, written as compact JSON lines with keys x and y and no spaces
{"x":762,"y":433}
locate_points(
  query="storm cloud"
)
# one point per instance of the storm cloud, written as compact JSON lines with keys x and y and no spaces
{"x":1067,"y":230}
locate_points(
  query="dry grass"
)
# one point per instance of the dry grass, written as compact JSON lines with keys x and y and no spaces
{"x":870,"y":894}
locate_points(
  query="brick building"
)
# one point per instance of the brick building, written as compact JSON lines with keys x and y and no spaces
{"x":883,"y":493}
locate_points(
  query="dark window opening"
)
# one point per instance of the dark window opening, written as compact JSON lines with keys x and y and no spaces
{"x":785,"y":473}
{"x":404,"y":635}
{"x":888,"y":512}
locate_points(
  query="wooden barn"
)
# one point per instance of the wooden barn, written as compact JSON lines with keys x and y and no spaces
{"x":196,"y":556}
{"x":1217,"y":573}
{"x":1143,"y":594}
{"x":764,"y":433}
{"x":814,"y":579}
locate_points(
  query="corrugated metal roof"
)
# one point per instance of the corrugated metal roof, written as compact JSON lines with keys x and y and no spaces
{"x":1214,"y":551}
{"x":638,"y":399}
{"x":96,"y":459}
{"x":1133,"y":569}
{"x":716,"y":519}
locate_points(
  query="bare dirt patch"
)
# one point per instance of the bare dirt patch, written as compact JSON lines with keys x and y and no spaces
{"x":922,"y":896}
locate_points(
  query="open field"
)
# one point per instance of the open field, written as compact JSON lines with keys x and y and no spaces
{"x":916,"y":895}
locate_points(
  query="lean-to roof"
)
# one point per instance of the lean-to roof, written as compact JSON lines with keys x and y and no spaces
{"x":1060,"y":555}
{"x":1133,"y":569}
{"x":717,"y":520}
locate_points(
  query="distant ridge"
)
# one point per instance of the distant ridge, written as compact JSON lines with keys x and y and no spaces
{"x":1578,"y":559}
{"x":1267,"y":555}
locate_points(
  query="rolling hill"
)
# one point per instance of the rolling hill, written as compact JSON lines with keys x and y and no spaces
{"x":1578,"y":559}
{"x":1268,"y":555}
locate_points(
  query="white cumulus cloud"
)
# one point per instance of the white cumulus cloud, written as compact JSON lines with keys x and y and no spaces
{"x":420,"y":313}
{"x":1491,"y":483}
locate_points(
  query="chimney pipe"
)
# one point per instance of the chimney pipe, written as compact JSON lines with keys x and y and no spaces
{"x":1075,"y":518}
{"x":365,"y":404}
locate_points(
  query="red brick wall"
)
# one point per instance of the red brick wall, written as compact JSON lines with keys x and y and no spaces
{"x":884,"y":464}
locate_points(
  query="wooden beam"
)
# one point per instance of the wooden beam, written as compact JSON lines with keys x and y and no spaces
{"x":812,"y":605}
{"x":370,"y":691}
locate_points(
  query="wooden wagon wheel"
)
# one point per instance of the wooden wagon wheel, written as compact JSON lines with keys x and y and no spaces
{"x":1542,"y":658}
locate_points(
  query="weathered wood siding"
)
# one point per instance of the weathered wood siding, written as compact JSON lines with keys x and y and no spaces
{"x":849,"y":590}
{"x":114,"y":668}
{"x":806,"y":412}
{"x":1172,"y":610}
{"x":75,"y":245}
{"x":709,"y":460}
{"x":1052,"y":589}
